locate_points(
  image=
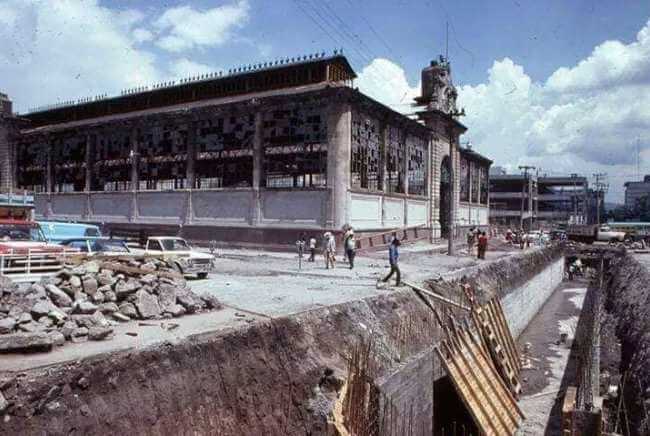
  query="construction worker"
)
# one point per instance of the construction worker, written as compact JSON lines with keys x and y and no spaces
{"x":312,"y":248}
{"x":482,"y":245}
{"x":330,"y":250}
{"x":350,"y":247}
{"x":393,"y":259}
{"x":470,"y":241}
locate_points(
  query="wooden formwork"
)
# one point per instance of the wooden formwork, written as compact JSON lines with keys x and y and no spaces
{"x":490,"y":402}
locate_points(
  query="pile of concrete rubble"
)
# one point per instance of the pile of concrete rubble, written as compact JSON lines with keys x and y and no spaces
{"x":85,"y":301}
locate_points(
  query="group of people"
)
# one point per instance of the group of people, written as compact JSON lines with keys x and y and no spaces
{"x":478,"y":238}
{"x":518,"y":237}
{"x":329,"y":248}
{"x":350,"y":248}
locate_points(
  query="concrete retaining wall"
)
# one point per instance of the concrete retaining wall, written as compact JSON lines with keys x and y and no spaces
{"x":521,"y":305}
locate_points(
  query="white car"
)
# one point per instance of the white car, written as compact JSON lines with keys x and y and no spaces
{"x":98,"y":246}
{"x":180,"y":255}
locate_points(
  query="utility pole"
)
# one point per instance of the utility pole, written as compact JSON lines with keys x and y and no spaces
{"x":600,"y":188}
{"x":525,"y":169}
{"x":574,"y":197}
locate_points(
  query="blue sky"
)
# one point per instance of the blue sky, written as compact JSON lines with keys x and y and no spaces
{"x":557,"y":84}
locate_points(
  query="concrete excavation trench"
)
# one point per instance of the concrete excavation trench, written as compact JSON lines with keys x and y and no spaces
{"x":377,"y":365}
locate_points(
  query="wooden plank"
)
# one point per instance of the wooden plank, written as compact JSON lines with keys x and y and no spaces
{"x":436,"y":296}
{"x":499,"y":384}
{"x":504,"y":335}
{"x":487,"y":398}
{"x":501,"y":358}
{"x":473,"y":362}
{"x":501,"y":392}
{"x":511,"y":340}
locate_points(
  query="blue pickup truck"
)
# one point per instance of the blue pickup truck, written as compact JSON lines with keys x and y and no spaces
{"x":58,"y":231}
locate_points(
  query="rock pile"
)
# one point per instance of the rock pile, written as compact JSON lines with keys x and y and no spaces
{"x":83,"y":302}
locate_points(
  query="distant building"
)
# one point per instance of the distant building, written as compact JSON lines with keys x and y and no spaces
{"x":634,"y":191}
{"x":531,"y":201}
{"x":498,"y":171}
{"x":512,"y":200}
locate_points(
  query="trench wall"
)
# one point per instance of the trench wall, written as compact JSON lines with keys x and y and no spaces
{"x":626,"y":303}
{"x":279,"y":377}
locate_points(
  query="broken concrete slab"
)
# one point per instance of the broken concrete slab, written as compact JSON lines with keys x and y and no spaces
{"x":58,"y":296}
{"x":22,"y":342}
{"x":147,"y":304}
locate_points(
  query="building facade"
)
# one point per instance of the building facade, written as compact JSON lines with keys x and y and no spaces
{"x":253,"y":156}
{"x":528,"y":201}
{"x":634,"y":191}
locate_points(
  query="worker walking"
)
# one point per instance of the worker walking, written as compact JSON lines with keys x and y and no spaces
{"x":470,"y":241}
{"x":312,"y":248}
{"x":482,"y":245}
{"x":350,"y":246}
{"x":393,"y":259}
{"x":330,"y":250}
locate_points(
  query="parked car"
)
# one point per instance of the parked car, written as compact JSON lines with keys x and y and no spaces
{"x":181,"y":255}
{"x":57,"y":231}
{"x":103,"y":246}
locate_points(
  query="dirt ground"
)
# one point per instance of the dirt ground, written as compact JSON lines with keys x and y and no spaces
{"x":256,"y":285}
{"x":544,"y":371}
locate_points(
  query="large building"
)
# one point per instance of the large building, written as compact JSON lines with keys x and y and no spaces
{"x":529,"y":201}
{"x":251,"y":156}
{"x":635,"y":191}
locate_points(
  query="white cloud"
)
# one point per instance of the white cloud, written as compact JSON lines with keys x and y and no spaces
{"x":611,"y":64}
{"x":69,"y":49}
{"x":386,"y":82}
{"x":61,"y":50}
{"x":184,"y":67}
{"x":183,"y":27}
{"x":142,"y":35}
{"x":586,"y":118}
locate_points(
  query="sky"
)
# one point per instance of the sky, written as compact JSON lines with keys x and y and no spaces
{"x":561,"y":85}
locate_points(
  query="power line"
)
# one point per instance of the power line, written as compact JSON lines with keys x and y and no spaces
{"x":374,"y":32}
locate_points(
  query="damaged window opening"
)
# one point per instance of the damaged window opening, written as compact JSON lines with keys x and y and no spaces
{"x":224,"y":145}
{"x":483,"y":175}
{"x":31,"y":166}
{"x":395,"y":161}
{"x":417,"y":170}
{"x":295,"y":147}
{"x":162,"y":157}
{"x":68,"y":162}
{"x":464,"y":179}
{"x":474,"y":182}
{"x":366,"y":159}
{"x":112,"y":166}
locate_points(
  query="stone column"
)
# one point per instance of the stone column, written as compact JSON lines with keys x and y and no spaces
{"x":135,"y":158}
{"x":49,"y":173}
{"x":383,"y":150}
{"x":90,"y":161}
{"x":258,"y":169}
{"x":6,"y":156}
{"x":405,"y":157}
{"x":339,"y":147}
{"x":135,"y":177}
{"x":190,"y":175}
